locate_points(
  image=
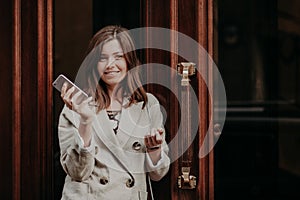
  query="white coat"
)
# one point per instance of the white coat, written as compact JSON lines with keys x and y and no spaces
{"x":114,"y":166}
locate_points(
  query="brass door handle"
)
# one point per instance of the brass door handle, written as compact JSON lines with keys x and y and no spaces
{"x":186,"y":69}
{"x":186,"y":181}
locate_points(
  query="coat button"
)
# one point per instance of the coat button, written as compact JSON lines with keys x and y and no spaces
{"x":136,"y":146}
{"x":129,"y":183}
{"x":103,"y":181}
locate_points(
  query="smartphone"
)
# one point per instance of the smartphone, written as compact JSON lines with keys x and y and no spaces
{"x":61,"y":79}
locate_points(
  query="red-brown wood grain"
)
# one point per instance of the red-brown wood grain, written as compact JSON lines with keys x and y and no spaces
{"x":32,"y":100}
{"x":195,"y":19}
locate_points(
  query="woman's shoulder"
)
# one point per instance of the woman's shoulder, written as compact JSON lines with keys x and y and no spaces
{"x":152,"y":99}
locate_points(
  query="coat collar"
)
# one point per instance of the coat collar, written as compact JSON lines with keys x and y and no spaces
{"x":130,"y":117}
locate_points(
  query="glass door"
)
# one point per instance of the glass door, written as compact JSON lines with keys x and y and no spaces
{"x":257,"y":154}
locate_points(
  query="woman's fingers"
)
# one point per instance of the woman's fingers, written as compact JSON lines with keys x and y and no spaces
{"x":149,"y":142}
{"x":154,"y":138}
{"x":76,"y":102}
{"x":75,"y":97}
{"x":63,"y":89}
{"x":88,"y":100}
{"x":158,"y":138}
{"x":67,"y":95}
{"x":158,"y":135}
{"x":146,"y":140}
{"x":160,"y":131}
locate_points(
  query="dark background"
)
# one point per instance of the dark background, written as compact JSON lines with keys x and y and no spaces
{"x":258,"y":54}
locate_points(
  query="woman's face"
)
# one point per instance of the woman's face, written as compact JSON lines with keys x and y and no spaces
{"x":112,"y":66}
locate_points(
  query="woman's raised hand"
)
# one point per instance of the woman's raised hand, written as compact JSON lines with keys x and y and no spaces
{"x":75,"y":102}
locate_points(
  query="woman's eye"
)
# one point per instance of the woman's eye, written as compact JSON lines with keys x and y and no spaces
{"x":102,"y":59}
{"x":118,"y":57}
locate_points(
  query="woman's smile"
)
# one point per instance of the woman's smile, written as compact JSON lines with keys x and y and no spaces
{"x":111,"y":72}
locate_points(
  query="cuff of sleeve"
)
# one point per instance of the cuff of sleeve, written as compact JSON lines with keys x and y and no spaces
{"x":80,"y":142}
{"x":159,"y":164}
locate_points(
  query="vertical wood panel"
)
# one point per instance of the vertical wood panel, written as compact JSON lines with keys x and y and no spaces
{"x":44,"y":74}
{"x":153,"y":18}
{"x":26,"y":106}
{"x":174,"y":103}
{"x":6,"y":114}
{"x":157,"y":14}
{"x":32,"y":100}
{"x":48,"y":163}
{"x":30,"y":161}
{"x":195,"y":19}
{"x":205,"y":38}
{"x":16,"y":91}
{"x":203,"y":95}
{"x":187,"y":19}
{"x":210,"y":40}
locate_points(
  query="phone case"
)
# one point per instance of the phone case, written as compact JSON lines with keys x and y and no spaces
{"x":61,"y":79}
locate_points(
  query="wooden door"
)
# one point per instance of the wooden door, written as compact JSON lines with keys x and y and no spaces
{"x":193,"y":18}
{"x":28,"y":160}
{"x":26,"y":103}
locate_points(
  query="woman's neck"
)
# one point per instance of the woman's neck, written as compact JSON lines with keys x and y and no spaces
{"x":116,"y":98}
{"x":115,"y":105}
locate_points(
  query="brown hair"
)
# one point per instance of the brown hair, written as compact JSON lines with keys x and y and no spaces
{"x":131,"y":85}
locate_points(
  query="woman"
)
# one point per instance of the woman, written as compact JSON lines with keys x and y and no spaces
{"x":113,"y":140}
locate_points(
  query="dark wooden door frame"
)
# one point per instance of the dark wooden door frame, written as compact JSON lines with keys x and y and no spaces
{"x":32,"y":48}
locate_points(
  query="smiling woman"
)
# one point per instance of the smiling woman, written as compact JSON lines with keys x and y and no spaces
{"x":99,"y":157}
{"x":75,"y":23}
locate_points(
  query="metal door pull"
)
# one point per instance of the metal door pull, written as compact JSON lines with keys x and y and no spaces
{"x":186,"y":69}
{"x":186,"y":181}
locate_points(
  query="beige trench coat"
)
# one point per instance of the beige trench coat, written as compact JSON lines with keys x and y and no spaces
{"x":114,"y":167}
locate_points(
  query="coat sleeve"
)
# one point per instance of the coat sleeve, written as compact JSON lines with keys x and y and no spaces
{"x":158,"y":171}
{"x":76,"y":161}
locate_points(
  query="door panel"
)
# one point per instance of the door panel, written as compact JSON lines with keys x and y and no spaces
{"x":27,"y":97}
{"x":193,"y":18}
{"x":6,"y":100}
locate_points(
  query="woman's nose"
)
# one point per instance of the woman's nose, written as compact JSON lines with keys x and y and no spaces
{"x":111,"y":62}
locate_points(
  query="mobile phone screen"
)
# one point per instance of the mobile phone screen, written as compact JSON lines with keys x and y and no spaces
{"x":61,"y":79}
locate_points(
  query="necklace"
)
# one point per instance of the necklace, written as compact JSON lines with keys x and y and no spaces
{"x":114,"y":117}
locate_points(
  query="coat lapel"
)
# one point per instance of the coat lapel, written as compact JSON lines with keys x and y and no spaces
{"x":105,"y":134}
{"x":103,"y":129}
{"x":129,"y":121}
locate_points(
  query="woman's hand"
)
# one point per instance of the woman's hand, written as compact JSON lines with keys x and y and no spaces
{"x":154,"y":139}
{"x":153,"y":143}
{"x":75,"y":103}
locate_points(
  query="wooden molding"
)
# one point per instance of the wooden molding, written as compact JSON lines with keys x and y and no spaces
{"x":32,"y":73}
{"x":16,"y":91}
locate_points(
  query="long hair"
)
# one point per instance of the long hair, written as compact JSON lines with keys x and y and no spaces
{"x":130,"y":86}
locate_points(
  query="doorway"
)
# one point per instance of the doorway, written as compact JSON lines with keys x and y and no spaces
{"x":257,"y":155}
